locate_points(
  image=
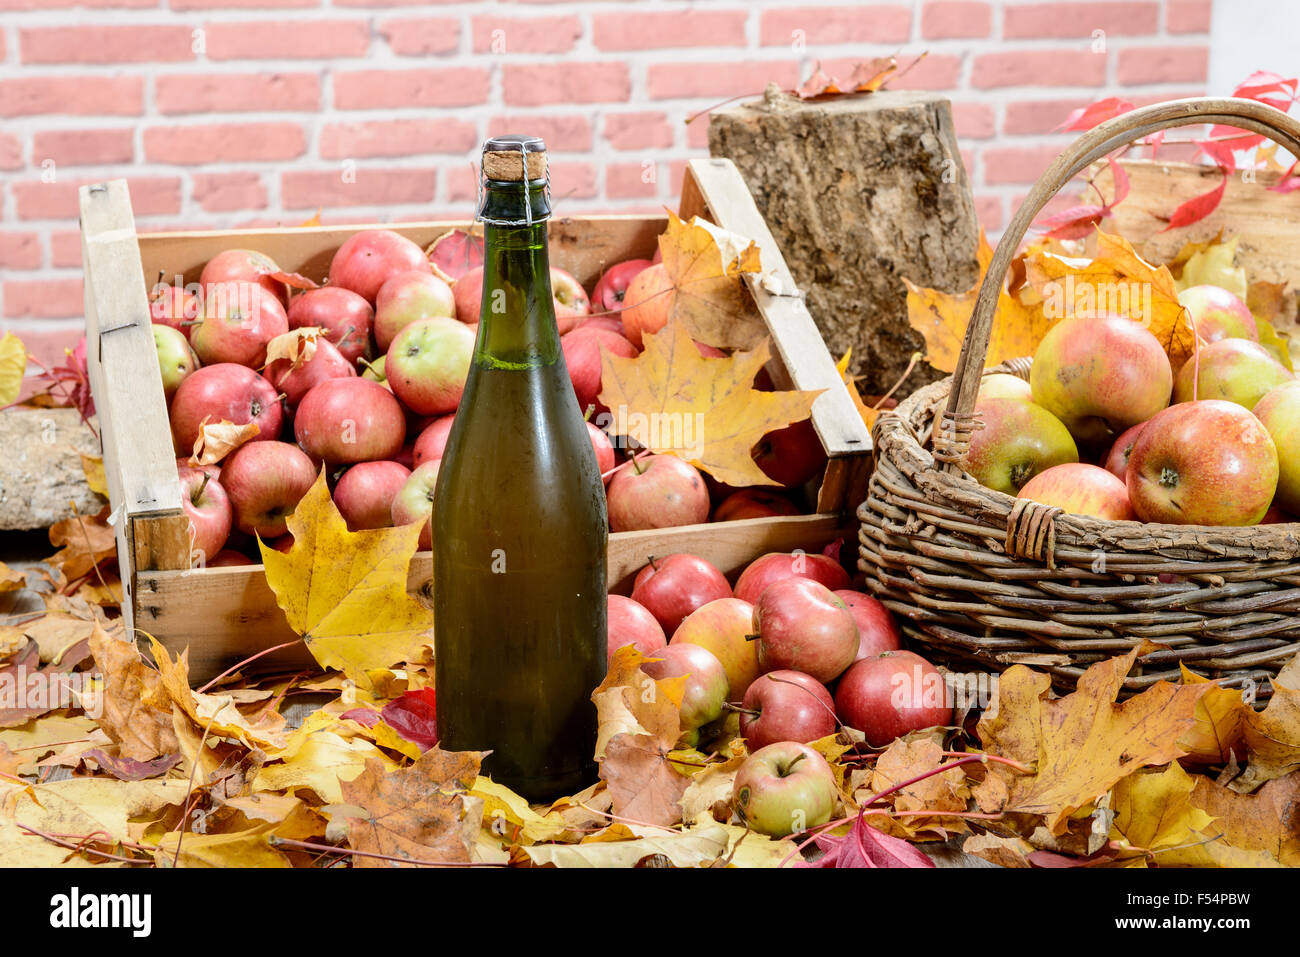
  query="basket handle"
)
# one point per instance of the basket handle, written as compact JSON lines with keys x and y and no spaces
{"x":958,"y":416}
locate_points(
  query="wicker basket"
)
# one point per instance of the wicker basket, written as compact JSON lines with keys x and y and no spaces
{"x":986,"y":580}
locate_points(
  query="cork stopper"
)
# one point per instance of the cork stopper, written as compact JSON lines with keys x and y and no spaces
{"x":503,"y":158}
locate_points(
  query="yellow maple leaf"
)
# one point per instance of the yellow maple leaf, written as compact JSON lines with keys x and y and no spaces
{"x":247,"y":848}
{"x":1213,"y":264}
{"x":345,"y":592}
{"x":1273,"y":735}
{"x":705,"y":264}
{"x":672,"y":400}
{"x":92,"y":466}
{"x":869,"y":415}
{"x":1220,"y":719}
{"x":13,"y":364}
{"x":1154,"y":810}
{"x":1246,"y":830}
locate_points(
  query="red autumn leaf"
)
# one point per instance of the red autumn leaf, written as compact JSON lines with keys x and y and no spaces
{"x":127,"y":769}
{"x":864,"y":846}
{"x":1120,"y":177}
{"x":1198,"y":207}
{"x":415,"y":717}
{"x":292,"y":279}
{"x":1073,"y":223}
{"x":1086,"y":117}
{"x":366,"y":717}
{"x":1224,"y":151}
{"x":1288,"y":182}
{"x":1270,"y":88}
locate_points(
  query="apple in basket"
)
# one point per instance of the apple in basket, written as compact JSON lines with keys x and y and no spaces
{"x":1279,"y":411}
{"x":1018,"y":440}
{"x":1081,"y":489}
{"x":1218,"y":314}
{"x":1237,"y":370}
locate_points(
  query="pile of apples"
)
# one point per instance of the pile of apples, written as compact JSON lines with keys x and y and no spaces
{"x":770,"y":650}
{"x":375,"y":401}
{"x":1106,"y":427}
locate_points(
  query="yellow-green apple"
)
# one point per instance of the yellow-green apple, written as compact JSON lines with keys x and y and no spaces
{"x":349,"y":420}
{"x":656,"y":491}
{"x":406,"y":297}
{"x":1116,"y":461}
{"x":803,"y":626}
{"x":293,"y":382}
{"x":432,"y":441}
{"x":1237,"y":370}
{"x":415,"y":500}
{"x":245,"y":265}
{"x":428,"y":363}
{"x":236,"y":320}
{"x":630,"y":623}
{"x":265,"y":481}
{"x":367,"y":259}
{"x":647,"y":303}
{"x":1218,"y":314}
{"x":582,"y":348}
{"x":612,"y":286}
{"x":1018,"y":440}
{"x":176,"y":360}
{"x":673,"y":586}
{"x":365,"y":493}
{"x":1099,"y":375}
{"x":877,"y":630}
{"x":173,"y":306}
{"x":1279,"y":411}
{"x":345,"y":317}
{"x":228,"y":392}
{"x":892,"y":694}
{"x":774,"y":566}
{"x":1081,"y":489}
{"x":792,"y":455}
{"x":724,"y":626}
{"x":1206,"y":462}
{"x":785,"y":788}
{"x":706,"y":681}
{"x":1004,"y":385}
{"x":786,"y":706}
{"x":753,"y":503}
{"x":207,"y":506}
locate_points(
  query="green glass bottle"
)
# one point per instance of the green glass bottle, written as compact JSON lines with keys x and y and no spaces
{"x":519,"y":526}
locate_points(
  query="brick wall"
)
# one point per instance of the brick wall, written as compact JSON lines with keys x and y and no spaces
{"x":226,"y":113}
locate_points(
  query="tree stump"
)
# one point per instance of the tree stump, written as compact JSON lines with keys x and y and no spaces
{"x":41,"y":478}
{"x":860,"y":191}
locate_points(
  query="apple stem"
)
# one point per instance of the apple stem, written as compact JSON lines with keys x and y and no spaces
{"x":636,"y":466}
{"x":202,"y":485}
{"x":589,"y":412}
{"x":737,"y":709}
{"x":751,"y":637}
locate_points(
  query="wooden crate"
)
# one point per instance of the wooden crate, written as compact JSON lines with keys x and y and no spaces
{"x":225,"y":615}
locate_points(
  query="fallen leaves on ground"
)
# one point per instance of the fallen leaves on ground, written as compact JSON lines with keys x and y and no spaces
{"x":13,"y":366}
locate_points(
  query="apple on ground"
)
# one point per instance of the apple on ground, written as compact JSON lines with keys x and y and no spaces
{"x":656,"y":491}
{"x":265,"y":481}
{"x":176,"y":359}
{"x":367,"y":259}
{"x":1018,"y":440}
{"x":345,"y":317}
{"x":792,"y":455}
{"x":1004,"y":385}
{"x":784,"y":788}
{"x":723,"y":626}
{"x":1236,"y":370}
{"x":647,"y":303}
{"x":415,"y":500}
{"x":753,"y":503}
{"x":224,"y":391}
{"x":236,"y":320}
{"x":208,"y":508}
{"x":1116,"y":461}
{"x":1081,"y":489}
{"x":706,"y":681}
{"x":244,"y":265}
{"x":1279,"y":411}
{"x":786,"y":705}
{"x":611,"y":288}
{"x":365,"y":493}
{"x":406,"y":297}
{"x":349,"y":420}
{"x":432,"y":441}
{"x":428,"y":363}
{"x":674,"y":586}
{"x":326,"y":363}
{"x":892,"y":694}
{"x":877,"y":630}
{"x":774,"y":566}
{"x":630,"y":623}
{"x":803,"y":626}
{"x":1218,"y":314}
{"x":1205,"y":462}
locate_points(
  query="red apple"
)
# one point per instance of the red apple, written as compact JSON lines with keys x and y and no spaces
{"x":631,"y":624}
{"x":1116,"y":462}
{"x":604,"y":449}
{"x":612,"y":285}
{"x":877,"y":630}
{"x":365,"y":493}
{"x":892,"y":694}
{"x":569,"y":300}
{"x":792,"y":455}
{"x":724,"y":627}
{"x":1081,"y":490}
{"x":592,"y":323}
{"x":172,"y":306}
{"x":803,"y":626}
{"x":656,"y":491}
{"x":326,"y":363}
{"x":236,"y":320}
{"x":1237,"y":370}
{"x":349,"y":420}
{"x":176,"y":360}
{"x":433,"y":440}
{"x":228,"y":558}
{"x":786,"y":706}
{"x":706,"y":681}
{"x":674,"y":586}
{"x":345,"y":317}
{"x":1207,"y":462}
{"x":406,"y":297}
{"x":224,"y":391}
{"x":207,"y":506}
{"x":415,"y":500}
{"x":428,"y":363}
{"x":1018,"y":440}
{"x":244,"y":265}
{"x":647,"y":303}
{"x":582,"y":349}
{"x":785,"y":788}
{"x":1279,"y":411}
{"x":775,"y":566}
{"x":265,"y":481}
{"x":367,"y":259}
{"x":1218,"y":314}
{"x":753,"y":503}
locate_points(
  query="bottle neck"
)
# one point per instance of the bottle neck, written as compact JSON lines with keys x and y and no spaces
{"x":517,"y":315}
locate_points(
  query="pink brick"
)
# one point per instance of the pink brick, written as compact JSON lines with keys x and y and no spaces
{"x":65,"y":248}
{"x":409,"y":137}
{"x":973,"y":121}
{"x":1039,"y":20}
{"x":956,"y":19}
{"x":224,"y":192}
{"x":506,"y":35}
{"x":638,"y":131}
{"x":150,"y":196}
{"x":83,"y":147}
{"x":278,"y":40}
{"x":1016,"y":164}
{"x":988,"y":211}
{"x":627,"y":181}
{"x":307,"y":189}
{"x":72,"y":95}
{"x":859,"y":23}
{"x":572,"y":180}
{"x":399,"y":89}
{"x":1162,"y":64}
{"x":460,"y":183}
{"x":622,"y":30}
{"x":236,"y":93}
{"x":391,"y":3}
{"x":240,"y":4}
{"x":66,"y":4}
{"x":935,"y":71}
{"x":1187,"y":16}
{"x":672,"y":80}
{"x":676,"y":173}
{"x":43,"y":298}
{"x":543,"y":83}
{"x":1038,"y":68}
{"x":106,"y":44}
{"x":1038,"y":116}
{"x":11,"y":152}
{"x":422,"y":36}
{"x":697,"y":133}
{"x":224,"y":142}
{"x":562,"y":134}
{"x":20,"y":250}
